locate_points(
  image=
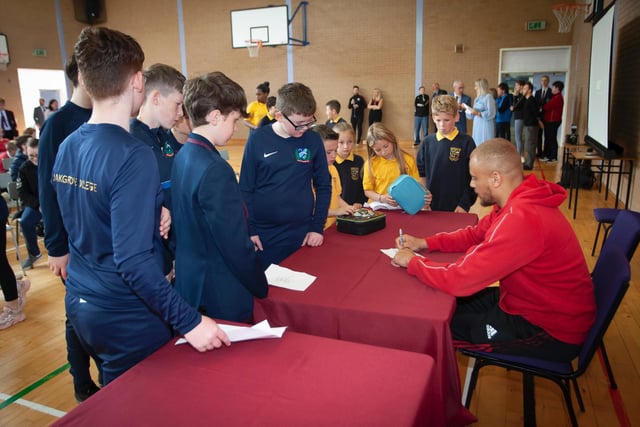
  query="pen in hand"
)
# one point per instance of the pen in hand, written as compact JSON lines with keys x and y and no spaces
{"x":401,"y":238}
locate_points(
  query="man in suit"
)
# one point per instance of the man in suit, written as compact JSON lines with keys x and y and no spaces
{"x":8,"y":122}
{"x":435,"y":88}
{"x":542,"y":96}
{"x":461,"y":98}
{"x":38,"y":113}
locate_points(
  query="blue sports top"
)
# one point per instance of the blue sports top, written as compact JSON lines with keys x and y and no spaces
{"x":108,"y":190}
{"x":278,"y":178}
{"x":55,"y":129}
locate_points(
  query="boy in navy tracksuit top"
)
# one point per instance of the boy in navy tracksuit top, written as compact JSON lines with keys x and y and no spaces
{"x":218,"y":270}
{"x":118,"y":300}
{"x":281,"y":167}
{"x":161,"y":109}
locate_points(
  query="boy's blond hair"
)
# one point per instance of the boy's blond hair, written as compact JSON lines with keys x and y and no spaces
{"x":342,"y":127}
{"x":444,"y":104}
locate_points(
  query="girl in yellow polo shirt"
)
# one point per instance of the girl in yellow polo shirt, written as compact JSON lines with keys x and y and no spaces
{"x":385,"y":162}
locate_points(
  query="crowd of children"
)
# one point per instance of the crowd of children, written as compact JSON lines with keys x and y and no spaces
{"x":201,"y":239}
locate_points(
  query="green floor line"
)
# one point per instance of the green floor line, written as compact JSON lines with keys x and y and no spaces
{"x":33,"y":386}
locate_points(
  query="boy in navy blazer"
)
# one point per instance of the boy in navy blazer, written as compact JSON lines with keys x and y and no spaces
{"x":218,"y":271}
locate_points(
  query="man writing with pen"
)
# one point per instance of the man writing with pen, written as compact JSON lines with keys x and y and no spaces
{"x":545,"y":302}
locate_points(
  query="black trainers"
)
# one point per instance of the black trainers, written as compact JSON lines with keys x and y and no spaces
{"x":82,"y":393}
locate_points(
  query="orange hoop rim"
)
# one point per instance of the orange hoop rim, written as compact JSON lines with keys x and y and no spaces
{"x":253,"y":43}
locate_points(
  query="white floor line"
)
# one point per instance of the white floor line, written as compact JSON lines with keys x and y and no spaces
{"x":35,"y":406}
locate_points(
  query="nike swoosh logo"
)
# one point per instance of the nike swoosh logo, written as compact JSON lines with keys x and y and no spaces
{"x":269,"y":154}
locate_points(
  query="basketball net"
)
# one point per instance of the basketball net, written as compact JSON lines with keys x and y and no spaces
{"x":254,"y":47}
{"x":566,"y":14}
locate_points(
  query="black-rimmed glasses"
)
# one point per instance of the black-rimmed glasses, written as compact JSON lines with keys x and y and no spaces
{"x":302,"y":126}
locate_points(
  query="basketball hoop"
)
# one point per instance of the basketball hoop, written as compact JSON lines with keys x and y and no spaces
{"x":254,"y":47}
{"x":566,"y":14}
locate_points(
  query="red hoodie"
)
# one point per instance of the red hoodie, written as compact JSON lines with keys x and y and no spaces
{"x":530,"y":247}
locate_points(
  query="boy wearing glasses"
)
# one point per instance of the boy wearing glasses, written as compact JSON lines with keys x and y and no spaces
{"x":283,"y":165}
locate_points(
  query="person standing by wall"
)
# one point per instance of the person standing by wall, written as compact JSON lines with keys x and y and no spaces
{"x":483,"y":113}
{"x":552,"y":118}
{"x":421,"y":116}
{"x":375,"y":107}
{"x":357,"y":105}
{"x":461,"y":98}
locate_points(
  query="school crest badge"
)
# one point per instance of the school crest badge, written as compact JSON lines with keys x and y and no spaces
{"x":355,"y":174}
{"x":168,"y":150}
{"x":454,"y":154}
{"x":303,"y":155}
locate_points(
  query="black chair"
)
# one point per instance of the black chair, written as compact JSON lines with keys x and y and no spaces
{"x":611,"y":280}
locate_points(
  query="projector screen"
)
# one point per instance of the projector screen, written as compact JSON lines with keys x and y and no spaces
{"x":600,"y":80}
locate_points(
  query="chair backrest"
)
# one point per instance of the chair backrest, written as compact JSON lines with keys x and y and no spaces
{"x":611,"y":277}
{"x":6,"y":163}
{"x":625,"y":233}
{"x":5,"y":179}
{"x":12,"y":189}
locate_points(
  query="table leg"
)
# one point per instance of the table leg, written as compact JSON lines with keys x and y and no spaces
{"x":626,"y":203}
{"x":576,"y":172}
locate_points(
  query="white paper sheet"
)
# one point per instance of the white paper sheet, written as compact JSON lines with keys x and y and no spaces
{"x":258,"y":331}
{"x":288,"y":279}
{"x":380,"y":205}
{"x":391,"y":252}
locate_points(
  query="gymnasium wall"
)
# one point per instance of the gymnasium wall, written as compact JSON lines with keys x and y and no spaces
{"x":370,"y":43}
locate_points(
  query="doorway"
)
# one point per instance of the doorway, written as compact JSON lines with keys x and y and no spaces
{"x":35,"y":84}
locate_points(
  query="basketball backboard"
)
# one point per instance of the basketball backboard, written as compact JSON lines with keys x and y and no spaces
{"x":270,"y":25}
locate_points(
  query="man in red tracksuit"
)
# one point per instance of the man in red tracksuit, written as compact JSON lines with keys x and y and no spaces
{"x":545,"y":302}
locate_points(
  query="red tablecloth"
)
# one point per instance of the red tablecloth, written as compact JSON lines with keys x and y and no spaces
{"x":299,"y":380}
{"x":359,"y":296}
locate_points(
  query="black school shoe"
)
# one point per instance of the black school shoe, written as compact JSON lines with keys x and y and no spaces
{"x":82,"y":393}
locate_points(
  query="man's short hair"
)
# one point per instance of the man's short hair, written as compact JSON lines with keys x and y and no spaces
{"x":444,"y":104}
{"x":334,"y":104}
{"x":71,"y":70}
{"x":296,"y":98}
{"x":529,"y":85}
{"x":504,"y":87}
{"x":106,"y":61}
{"x":11,"y":146}
{"x":163,"y":78}
{"x":271,"y":101}
{"x":498,"y":154}
{"x":213,"y":91}
{"x":325,"y":132}
{"x":559,"y":85}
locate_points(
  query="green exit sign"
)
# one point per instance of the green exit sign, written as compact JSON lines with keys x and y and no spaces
{"x":39,"y":52}
{"x":536,"y":25}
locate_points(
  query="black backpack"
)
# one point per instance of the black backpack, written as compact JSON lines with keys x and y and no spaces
{"x":586,"y":177}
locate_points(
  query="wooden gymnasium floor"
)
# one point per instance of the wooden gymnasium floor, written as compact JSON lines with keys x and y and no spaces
{"x":33,"y":357}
